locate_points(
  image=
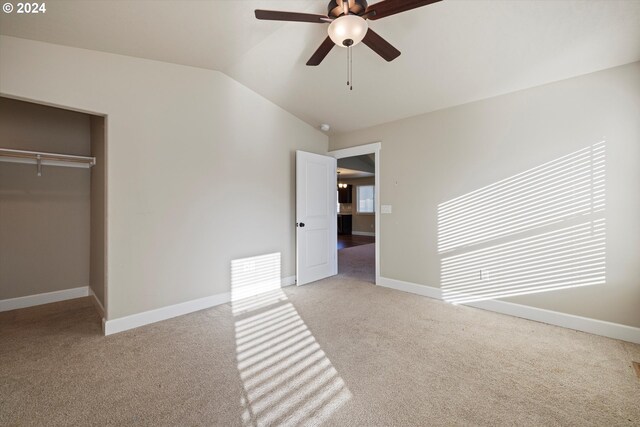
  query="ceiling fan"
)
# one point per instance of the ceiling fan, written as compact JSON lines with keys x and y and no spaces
{"x":348,"y":25}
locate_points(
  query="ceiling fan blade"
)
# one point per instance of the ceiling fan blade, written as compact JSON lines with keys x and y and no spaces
{"x":391,"y":7}
{"x":380,"y":45}
{"x":274,"y":15}
{"x":369,"y":15}
{"x":321,"y":52}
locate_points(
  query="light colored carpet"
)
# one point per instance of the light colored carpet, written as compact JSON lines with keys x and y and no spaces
{"x":337,"y":352}
{"x":358,"y":262}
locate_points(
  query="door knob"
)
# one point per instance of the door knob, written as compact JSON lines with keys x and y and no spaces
{"x":300,"y":224}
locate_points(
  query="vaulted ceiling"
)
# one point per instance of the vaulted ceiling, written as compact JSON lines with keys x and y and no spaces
{"x":453,"y":52}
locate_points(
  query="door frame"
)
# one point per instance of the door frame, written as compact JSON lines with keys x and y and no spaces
{"x":358,"y":150}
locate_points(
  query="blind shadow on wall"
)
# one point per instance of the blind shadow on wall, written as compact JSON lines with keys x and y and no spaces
{"x":538,"y":231}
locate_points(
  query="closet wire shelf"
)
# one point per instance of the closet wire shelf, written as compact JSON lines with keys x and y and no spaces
{"x":41,"y":158}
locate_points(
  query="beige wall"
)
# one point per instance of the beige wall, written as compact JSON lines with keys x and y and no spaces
{"x":432,"y":158}
{"x":44,"y":221}
{"x":361,"y":222}
{"x":98,"y":210}
{"x":193,"y":157}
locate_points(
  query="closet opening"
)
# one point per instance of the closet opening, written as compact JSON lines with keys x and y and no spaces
{"x":52,"y":217}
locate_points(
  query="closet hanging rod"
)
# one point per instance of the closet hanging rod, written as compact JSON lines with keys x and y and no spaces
{"x":45,"y":158}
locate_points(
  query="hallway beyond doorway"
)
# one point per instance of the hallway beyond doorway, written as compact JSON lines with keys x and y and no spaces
{"x":350,"y":240}
{"x":358,"y":262}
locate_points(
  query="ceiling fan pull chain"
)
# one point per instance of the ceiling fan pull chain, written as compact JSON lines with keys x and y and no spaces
{"x":348,"y":51}
{"x":350,"y":66}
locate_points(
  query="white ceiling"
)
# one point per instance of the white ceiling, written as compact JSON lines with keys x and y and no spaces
{"x":344,"y":173}
{"x":453,"y":52}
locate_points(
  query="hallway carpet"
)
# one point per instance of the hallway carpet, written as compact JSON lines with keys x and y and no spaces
{"x":338,"y":352}
{"x":358,"y":262}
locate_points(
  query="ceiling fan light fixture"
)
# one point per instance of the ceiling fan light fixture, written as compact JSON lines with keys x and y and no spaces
{"x":348,"y":30}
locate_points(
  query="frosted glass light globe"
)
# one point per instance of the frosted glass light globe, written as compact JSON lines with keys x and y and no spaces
{"x":348,"y":30}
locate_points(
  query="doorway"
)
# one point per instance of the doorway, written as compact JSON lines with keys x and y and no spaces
{"x":357,"y":211}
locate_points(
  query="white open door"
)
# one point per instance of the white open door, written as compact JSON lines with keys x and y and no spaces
{"x":316,"y":220}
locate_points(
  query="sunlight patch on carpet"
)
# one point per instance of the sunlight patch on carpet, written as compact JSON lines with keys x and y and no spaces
{"x":287,"y":379}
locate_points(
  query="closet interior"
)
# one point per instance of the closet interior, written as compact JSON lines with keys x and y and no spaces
{"x":52,"y":206}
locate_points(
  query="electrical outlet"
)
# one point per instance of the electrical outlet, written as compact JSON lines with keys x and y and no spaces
{"x":385,"y":209}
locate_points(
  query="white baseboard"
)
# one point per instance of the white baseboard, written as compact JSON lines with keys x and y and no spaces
{"x":163,"y":313}
{"x":152,"y":316}
{"x":579,"y":323}
{"x":97,"y":303}
{"x":584,"y":324}
{"x":46,"y":298}
{"x":413,"y":288}
{"x":288,"y":281}
{"x":363,"y":233}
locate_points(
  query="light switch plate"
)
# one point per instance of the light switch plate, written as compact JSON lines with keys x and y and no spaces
{"x":385,"y":209}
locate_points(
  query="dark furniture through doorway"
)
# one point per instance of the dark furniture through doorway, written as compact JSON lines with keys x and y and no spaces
{"x":344,"y":224}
